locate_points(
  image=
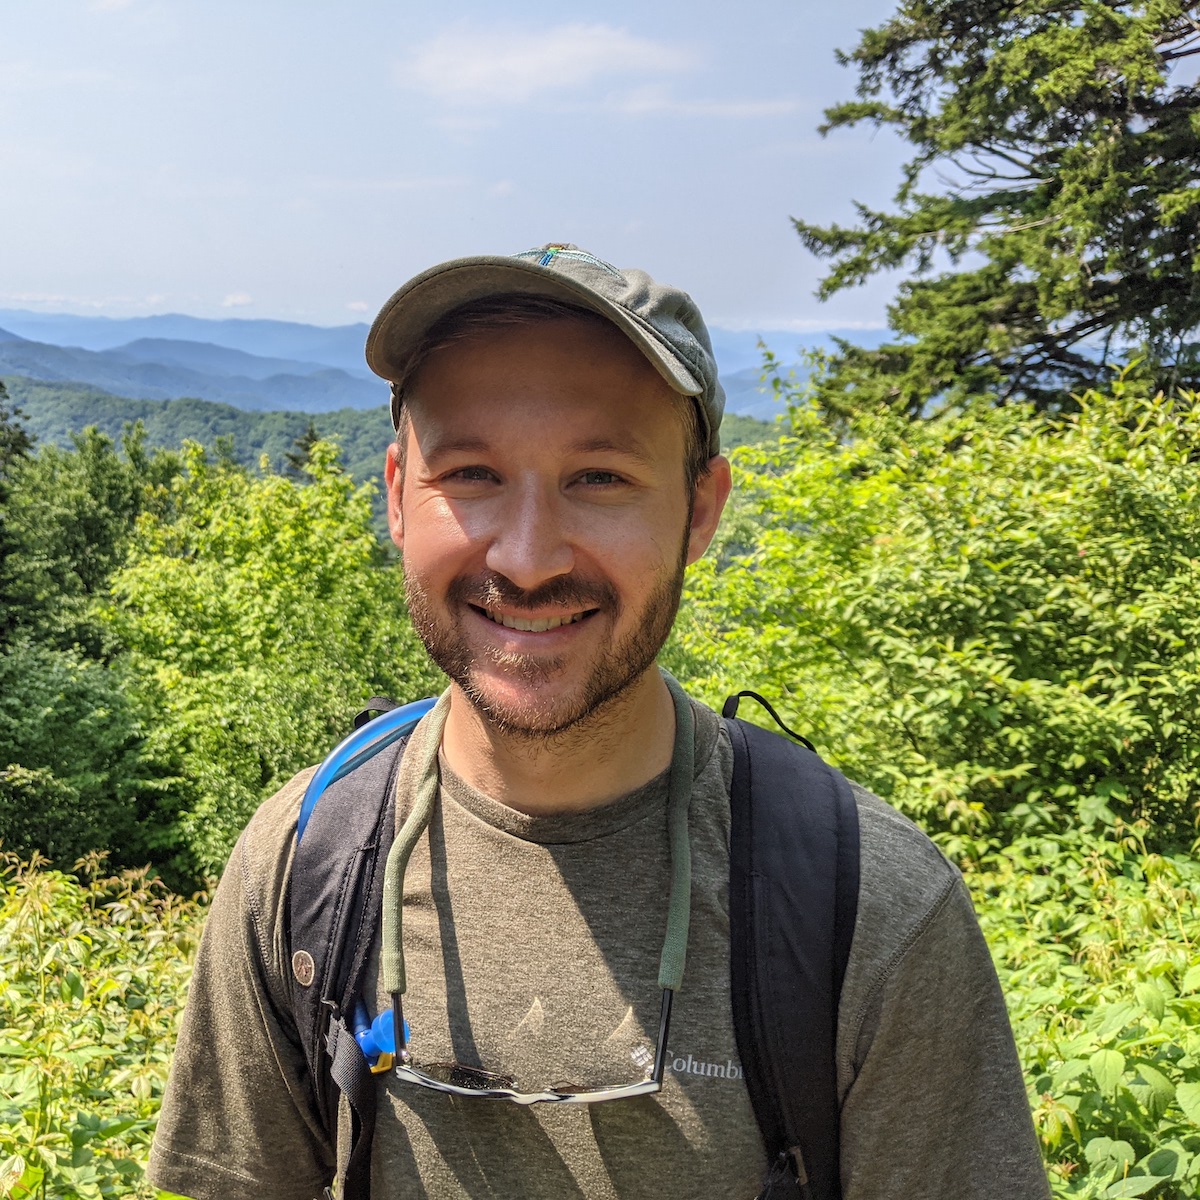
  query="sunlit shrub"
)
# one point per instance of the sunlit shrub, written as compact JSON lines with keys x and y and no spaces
{"x":93,"y":975}
{"x":991,"y":619}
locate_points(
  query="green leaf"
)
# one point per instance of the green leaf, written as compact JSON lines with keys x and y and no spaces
{"x":1187,"y":1095}
{"x":1115,"y":1017}
{"x":1106,"y":1154}
{"x":1134,"y":1185}
{"x":1191,"y":981}
{"x":1153,"y":1090}
{"x":1150,"y":998}
{"x":1173,"y":1160}
{"x":1070,"y":1070}
{"x":1107,"y":1068}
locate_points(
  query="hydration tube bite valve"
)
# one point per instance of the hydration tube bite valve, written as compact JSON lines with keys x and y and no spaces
{"x":377,"y":1038}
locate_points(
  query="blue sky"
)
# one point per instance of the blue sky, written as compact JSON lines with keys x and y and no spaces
{"x":300,"y":160}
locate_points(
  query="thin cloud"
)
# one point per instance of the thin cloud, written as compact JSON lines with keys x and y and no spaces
{"x":467,"y":65}
{"x":111,"y":5}
{"x":656,"y":99}
{"x":237,"y":300}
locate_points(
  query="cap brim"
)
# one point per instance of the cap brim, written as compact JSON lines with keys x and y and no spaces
{"x":404,"y":320}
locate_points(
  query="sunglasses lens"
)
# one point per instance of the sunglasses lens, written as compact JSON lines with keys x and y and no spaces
{"x":474,"y":1078}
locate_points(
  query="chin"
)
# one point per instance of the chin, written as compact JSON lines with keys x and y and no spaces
{"x":527,"y":709}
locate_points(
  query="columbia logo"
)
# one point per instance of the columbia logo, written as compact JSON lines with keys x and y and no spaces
{"x":690,"y":1066}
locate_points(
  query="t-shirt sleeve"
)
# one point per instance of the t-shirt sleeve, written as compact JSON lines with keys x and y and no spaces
{"x":238,"y":1121}
{"x":938,"y":1107}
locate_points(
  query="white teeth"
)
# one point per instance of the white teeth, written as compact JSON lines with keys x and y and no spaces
{"x":532,"y":626}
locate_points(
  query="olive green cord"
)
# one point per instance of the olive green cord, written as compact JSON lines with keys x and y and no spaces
{"x":679,"y":800}
{"x":391,"y":958}
{"x":679,"y":797}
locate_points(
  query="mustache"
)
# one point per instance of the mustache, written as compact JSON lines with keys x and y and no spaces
{"x":491,"y":589}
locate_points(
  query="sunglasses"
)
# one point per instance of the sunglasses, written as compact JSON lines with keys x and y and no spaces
{"x":455,"y":1079}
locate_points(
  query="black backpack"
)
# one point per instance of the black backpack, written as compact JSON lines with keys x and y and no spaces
{"x":793,"y":896}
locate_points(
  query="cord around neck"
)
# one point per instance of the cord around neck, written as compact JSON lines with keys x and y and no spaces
{"x":679,"y":794}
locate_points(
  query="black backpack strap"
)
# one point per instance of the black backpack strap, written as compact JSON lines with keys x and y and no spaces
{"x":793,"y":897}
{"x":335,"y":901}
{"x":374,"y":706}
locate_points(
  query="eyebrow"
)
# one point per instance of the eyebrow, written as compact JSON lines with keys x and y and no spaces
{"x":452,"y":445}
{"x":631,"y":448}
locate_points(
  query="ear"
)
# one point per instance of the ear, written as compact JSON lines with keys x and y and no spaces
{"x":712,"y":490}
{"x":393,"y":478}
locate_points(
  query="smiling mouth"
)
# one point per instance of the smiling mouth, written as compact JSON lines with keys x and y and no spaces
{"x":524,"y":625}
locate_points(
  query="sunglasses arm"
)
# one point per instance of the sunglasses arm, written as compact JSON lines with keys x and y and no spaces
{"x":398,"y":1023}
{"x":664,"y":1026}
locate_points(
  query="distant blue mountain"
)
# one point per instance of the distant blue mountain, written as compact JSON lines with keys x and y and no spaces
{"x":269,"y":365}
{"x":216,"y":373}
{"x":213,"y":360}
{"x":338,"y":346}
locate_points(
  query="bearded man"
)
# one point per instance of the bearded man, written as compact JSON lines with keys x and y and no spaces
{"x":556,"y":468}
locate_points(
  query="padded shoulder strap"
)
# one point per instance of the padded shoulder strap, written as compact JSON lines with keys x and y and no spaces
{"x":334,"y":903}
{"x":793,"y":897}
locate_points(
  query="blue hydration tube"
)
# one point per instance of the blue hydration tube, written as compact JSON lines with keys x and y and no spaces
{"x":362,"y":744}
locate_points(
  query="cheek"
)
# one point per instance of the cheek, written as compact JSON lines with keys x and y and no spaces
{"x":436,"y":541}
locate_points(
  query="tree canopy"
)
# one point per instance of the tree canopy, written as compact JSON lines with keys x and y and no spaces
{"x":1050,"y":212}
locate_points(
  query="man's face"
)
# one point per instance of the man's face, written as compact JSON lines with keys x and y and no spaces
{"x":544,"y":520}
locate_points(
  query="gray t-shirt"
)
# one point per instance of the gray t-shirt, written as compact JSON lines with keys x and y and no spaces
{"x":532,"y":947}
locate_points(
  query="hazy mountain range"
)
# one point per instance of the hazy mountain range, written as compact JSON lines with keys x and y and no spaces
{"x":283,"y":365}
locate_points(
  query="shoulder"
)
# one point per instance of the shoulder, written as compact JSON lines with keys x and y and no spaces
{"x":260,"y":867}
{"x":914,"y":918}
{"x":903,"y":875}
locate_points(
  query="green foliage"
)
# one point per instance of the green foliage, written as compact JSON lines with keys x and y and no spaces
{"x":1096,"y":943}
{"x":93,"y":974}
{"x":297,"y":457}
{"x":15,"y":439}
{"x":75,"y":770}
{"x":57,"y":411}
{"x":991,"y":619}
{"x":69,"y":515}
{"x":259,"y":614}
{"x":1065,"y":156}
{"x":737,"y":431}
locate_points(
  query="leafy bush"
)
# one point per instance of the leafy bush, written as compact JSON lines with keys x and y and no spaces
{"x":259,"y":614}
{"x":69,"y":515}
{"x":75,"y":771}
{"x":93,"y":975}
{"x":991,"y":619}
{"x":1095,"y":941}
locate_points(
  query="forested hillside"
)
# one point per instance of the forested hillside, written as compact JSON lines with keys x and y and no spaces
{"x":54,"y":412}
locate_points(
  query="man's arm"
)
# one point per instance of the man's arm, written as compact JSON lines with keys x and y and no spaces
{"x":238,"y":1121}
{"x":938,"y":1106}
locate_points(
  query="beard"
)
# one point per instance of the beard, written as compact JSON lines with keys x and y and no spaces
{"x":618,"y":665}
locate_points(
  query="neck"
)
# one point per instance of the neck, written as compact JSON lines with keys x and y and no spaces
{"x":585,"y":767}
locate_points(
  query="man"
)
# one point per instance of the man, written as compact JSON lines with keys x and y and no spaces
{"x":556,"y":468}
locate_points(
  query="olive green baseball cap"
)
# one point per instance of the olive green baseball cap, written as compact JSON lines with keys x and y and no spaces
{"x":661,"y":321}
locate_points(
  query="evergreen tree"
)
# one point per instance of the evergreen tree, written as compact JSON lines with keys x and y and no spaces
{"x":300,"y":455}
{"x":1066,"y":155}
{"x":15,"y":445}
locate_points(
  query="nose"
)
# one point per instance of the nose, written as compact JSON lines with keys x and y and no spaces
{"x":530,"y":545}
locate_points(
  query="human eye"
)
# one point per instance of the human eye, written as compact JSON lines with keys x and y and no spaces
{"x":600,"y":479}
{"x":471,"y":474}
